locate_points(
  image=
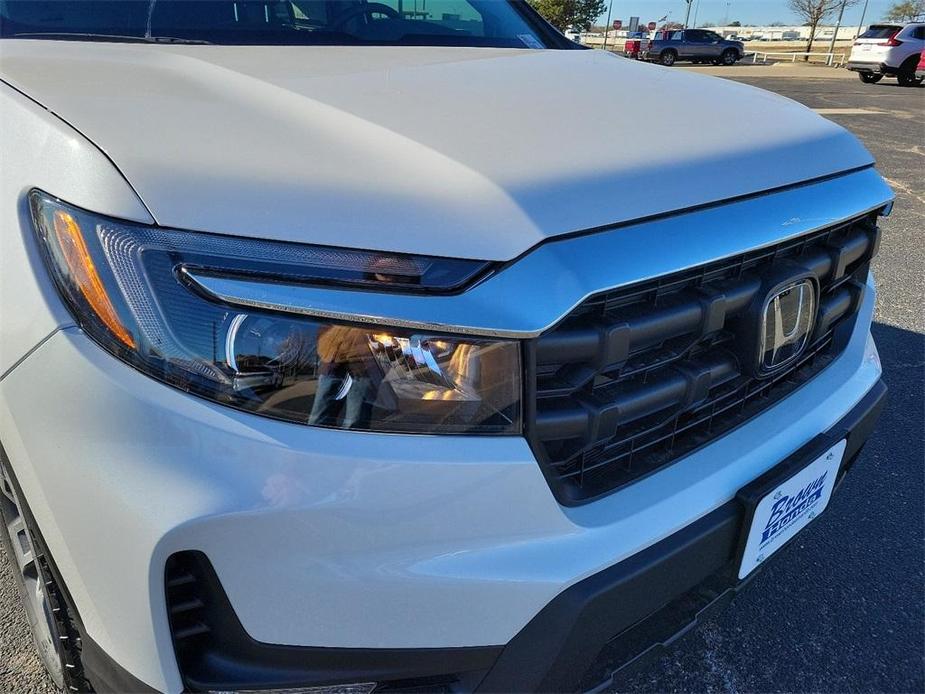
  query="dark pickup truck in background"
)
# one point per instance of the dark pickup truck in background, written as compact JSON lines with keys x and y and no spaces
{"x":695,"y":45}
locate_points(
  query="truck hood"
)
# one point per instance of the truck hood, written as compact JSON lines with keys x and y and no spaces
{"x":466,"y":152}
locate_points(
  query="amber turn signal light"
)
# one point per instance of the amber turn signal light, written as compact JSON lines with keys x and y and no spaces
{"x":83,"y":273}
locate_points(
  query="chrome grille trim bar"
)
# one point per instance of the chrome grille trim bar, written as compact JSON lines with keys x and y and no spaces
{"x":532,"y":294}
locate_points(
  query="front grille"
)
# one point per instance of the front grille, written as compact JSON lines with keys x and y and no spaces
{"x":635,"y":378}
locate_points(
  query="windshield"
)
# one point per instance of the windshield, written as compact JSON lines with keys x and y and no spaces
{"x":495,"y":23}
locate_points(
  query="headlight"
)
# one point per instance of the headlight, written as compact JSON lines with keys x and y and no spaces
{"x":124,"y":284}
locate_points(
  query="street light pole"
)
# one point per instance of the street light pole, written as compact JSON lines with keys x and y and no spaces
{"x":607,"y":27}
{"x":863,"y":16}
{"x":696,"y":12}
{"x":687,"y":16}
{"x":841,"y":13}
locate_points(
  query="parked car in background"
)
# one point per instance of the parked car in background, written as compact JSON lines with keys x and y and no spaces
{"x":633,"y":48}
{"x":889,"y":50}
{"x":695,"y":45}
{"x":635,"y":43}
{"x":309,"y":385}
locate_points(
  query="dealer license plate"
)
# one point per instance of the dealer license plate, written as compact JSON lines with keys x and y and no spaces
{"x":787,"y":509}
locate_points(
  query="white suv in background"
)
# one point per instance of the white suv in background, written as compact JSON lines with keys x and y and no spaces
{"x":889,"y":50}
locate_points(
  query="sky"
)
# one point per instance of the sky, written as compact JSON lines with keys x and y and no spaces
{"x":745,"y":11}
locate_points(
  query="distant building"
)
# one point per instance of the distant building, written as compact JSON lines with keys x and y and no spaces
{"x":788,"y":33}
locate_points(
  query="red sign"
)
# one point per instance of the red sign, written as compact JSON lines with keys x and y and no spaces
{"x":652,"y":26}
{"x":617,"y":24}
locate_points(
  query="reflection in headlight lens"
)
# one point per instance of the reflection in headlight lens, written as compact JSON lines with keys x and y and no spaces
{"x":124,"y":290}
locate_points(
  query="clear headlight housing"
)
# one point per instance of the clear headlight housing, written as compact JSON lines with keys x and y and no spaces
{"x":124,"y":284}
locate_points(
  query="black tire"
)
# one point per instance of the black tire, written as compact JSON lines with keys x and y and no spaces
{"x":729,"y":57}
{"x":869,"y":77}
{"x":54,"y":631}
{"x":908,"y":79}
{"x":668,"y":58}
{"x":906,"y":76}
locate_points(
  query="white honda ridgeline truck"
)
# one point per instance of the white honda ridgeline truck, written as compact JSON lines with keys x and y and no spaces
{"x":340,"y":353}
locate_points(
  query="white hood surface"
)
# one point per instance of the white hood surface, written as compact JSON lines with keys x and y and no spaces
{"x":465,"y":152}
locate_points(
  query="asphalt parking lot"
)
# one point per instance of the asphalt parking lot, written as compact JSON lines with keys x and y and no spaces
{"x":841,"y":609}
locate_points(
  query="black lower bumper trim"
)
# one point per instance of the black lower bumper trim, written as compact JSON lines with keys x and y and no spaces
{"x":873,"y":68}
{"x":105,"y":674}
{"x":859,"y":423}
{"x":628,"y":609}
{"x":647,"y":640}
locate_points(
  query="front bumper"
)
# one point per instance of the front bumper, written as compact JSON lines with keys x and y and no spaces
{"x":341,"y":540}
{"x":582,"y":640}
{"x":606,"y":621}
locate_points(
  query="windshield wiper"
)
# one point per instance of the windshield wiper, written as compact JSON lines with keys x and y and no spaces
{"x":176,"y":39}
{"x":83,"y":36}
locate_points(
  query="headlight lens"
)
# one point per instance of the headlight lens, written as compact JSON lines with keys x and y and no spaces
{"x":123,"y":283}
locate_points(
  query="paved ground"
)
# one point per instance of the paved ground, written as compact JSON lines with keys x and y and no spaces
{"x":20,"y":670}
{"x":776,"y":70}
{"x":844,"y":610}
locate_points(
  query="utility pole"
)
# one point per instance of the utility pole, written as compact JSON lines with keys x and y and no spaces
{"x":841,"y":13}
{"x":687,"y":17}
{"x":696,"y":12}
{"x":607,"y":27}
{"x":863,"y":17}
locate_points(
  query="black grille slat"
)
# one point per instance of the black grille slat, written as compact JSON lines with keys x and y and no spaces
{"x":185,"y":601}
{"x":835,"y":306}
{"x":181,"y":580}
{"x":637,"y":377}
{"x":187,"y":606}
{"x":188,"y":632}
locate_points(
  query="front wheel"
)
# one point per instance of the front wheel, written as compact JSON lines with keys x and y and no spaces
{"x":53,"y":631}
{"x":729,"y":56}
{"x":668,"y":58}
{"x":869,"y":77}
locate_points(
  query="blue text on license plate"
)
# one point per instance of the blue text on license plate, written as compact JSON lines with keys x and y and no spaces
{"x":786,"y":510}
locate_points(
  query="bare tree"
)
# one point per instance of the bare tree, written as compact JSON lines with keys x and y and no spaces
{"x":813,"y":12}
{"x":905,"y":11}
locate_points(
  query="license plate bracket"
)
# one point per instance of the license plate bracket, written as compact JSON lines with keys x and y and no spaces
{"x":784,"y":500}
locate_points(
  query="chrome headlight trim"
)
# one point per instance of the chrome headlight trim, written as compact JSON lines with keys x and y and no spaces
{"x":534,"y":292}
